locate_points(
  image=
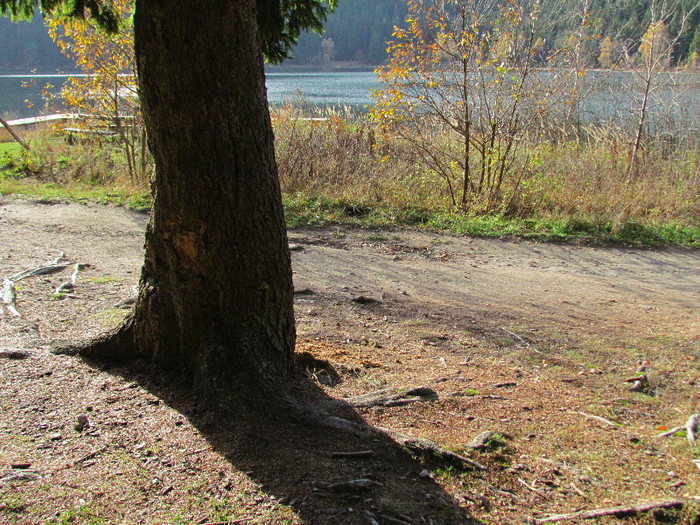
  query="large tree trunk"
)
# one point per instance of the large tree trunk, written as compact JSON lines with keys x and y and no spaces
{"x":216,"y":295}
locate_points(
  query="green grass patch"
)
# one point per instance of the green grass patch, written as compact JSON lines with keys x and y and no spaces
{"x":75,"y":192}
{"x":111,"y":317}
{"x":332,"y":175}
{"x":314,"y":211}
{"x":83,"y":515}
{"x":303,"y":210}
{"x":12,"y":503}
{"x":105,"y":279}
{"x":8,"y":150}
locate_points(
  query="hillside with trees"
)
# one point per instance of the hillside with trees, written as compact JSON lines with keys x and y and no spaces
{"x":26,"y":46}
{"x":358,"y":31}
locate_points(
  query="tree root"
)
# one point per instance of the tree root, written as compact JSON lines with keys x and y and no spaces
{"x":691,"y":427}
{"x":425,"y":449}
{"x":430,"y":450}
{"x":9,"y":291}
{"x":390,"y":398}
{"x":628,"y":510}
{"x":9,"y":296}
{"x":70,"y":285}
{"x":601,"y":419}
{"x":116,"y":345}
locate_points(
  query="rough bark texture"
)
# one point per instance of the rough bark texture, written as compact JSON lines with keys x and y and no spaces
{"x":216,"y":295}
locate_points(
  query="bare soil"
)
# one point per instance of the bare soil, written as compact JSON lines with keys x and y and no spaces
{"x":533,"y":342}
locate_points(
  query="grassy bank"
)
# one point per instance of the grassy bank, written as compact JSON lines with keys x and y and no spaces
{"x":340,"y":171}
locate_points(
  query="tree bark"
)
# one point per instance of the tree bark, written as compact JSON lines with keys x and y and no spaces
{"x":216,"y":296}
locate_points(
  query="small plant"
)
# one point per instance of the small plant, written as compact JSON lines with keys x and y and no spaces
{"x":471,"y":392}
{"x":81,"y":516}
{"x":12,"y":503}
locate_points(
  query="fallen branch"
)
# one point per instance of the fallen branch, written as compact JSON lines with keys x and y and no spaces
{"x":527,"y":345}
{"x":14,"y":134}
{"x":691,"y":428}
{"x":90,"y":456}
{"x":560,"y":465}
{"x":229,"y":522}
{"x":501,"y":492}
{"x":353,"y":486}
{"x":578,"y":490}
{"x":39,"y":270}
{"x":9,"y":291}
{"x":629,"y":510}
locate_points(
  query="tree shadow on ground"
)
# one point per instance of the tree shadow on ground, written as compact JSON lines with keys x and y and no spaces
{"x":298,"y":462}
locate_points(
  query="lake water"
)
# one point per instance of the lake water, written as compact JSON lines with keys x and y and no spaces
{"x":20,"y":95}
{"x":610,"y":98}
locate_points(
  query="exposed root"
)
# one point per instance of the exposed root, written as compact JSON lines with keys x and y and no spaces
{"x":9,"y":297}
{"x":390,"y":397}
{"x":691,"y":427}
{"x":307,"y":413}
{"x":116,"y":345}
{"x":627,"y":510}
{"x":430,"y":450}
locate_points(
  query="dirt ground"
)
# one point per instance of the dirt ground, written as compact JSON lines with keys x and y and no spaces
{"x":532,"y":342}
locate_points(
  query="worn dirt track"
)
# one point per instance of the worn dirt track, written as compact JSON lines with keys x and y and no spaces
{"x":515,"y":278}
{"x":526,"y":339}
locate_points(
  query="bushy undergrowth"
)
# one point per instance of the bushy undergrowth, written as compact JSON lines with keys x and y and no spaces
{"x":565,"y":188}
{"x":335,"y":167}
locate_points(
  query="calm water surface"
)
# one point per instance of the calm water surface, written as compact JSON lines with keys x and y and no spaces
{"x":20,"y":95}
{"x":676,"y":106}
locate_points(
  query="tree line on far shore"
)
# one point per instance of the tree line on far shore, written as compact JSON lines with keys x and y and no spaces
{"x":358,"y":32}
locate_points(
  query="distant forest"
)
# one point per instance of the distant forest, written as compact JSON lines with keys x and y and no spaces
{"x":356,"y":34}
{"x":26,"y":46}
